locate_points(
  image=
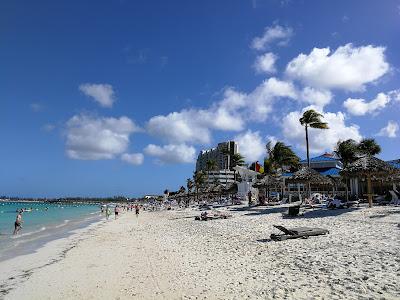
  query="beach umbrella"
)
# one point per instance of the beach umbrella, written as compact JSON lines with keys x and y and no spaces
{"x":264,"y":184}
{"x":370,"y":167}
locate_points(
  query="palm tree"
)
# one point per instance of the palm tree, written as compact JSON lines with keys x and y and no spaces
{"x":347,"y":151}
{"x":189,"y":186}
{"x":369,"y":146}
{"x":280,"y":155}
{"x":198,"y":179}
{"x":311,"y":119}
{"x":268,"y":166}
{"x":236,"y":160}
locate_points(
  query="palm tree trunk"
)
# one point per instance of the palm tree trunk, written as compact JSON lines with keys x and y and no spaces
{"x":308,"y":150}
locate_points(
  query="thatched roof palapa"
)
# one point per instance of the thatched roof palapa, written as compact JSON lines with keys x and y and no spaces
{"x":369,"y":165}
{"x":268,"y":181}
{"x":308,"y":175}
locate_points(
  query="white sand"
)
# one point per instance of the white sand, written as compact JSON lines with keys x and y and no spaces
{"x":165,"y":255}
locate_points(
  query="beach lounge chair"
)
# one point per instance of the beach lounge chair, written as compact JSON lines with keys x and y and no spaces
{"x":205,"y":216}
{"x":297,"y":232}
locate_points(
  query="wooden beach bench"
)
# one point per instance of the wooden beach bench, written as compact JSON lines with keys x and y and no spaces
{"x":297,"y":232}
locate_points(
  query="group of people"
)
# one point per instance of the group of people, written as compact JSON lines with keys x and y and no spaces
{"x":117,"y":210}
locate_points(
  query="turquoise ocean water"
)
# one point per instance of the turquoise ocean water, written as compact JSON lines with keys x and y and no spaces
{"x":42,"y":222}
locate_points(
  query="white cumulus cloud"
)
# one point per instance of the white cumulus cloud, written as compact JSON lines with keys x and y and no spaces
{"x":195,"y":126}
{"x":320,"y":140}
{"x":101,"y":93}
{"x":92,"y":138}
{"x":390,"y":130}
{"x":260,"y":102}
{"x":360,"y":107}
{"x":251,"y":145}
{"x":180,"y":153}
{"x":347,"y":68}
{"x":266,"y":63}
{"x":133,"y":158}
{"x":272,"y":34}
{"x":319,"y":98}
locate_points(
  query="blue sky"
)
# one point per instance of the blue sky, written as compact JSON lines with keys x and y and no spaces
{"x":117,"y":97}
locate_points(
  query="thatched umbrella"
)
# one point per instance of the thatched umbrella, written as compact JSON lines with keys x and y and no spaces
{"x":268,"y":182}
{"x":309,"y":176}
{"x":369,"y":166}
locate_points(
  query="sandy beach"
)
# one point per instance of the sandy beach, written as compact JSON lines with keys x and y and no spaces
{"x":169,"y":255}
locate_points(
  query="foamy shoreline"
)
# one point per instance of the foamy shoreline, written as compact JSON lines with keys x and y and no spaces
{"x":169,"y":255}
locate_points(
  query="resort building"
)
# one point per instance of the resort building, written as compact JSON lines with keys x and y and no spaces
{"x":223,"y":177}
{"x":221,"y":155}
{"x":326,"y":164}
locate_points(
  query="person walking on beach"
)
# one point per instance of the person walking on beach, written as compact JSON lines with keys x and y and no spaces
{"x":108,"y":212}
{"x":116,"y":211}
{"x":18,"y":223}
{"x":137,"y":210}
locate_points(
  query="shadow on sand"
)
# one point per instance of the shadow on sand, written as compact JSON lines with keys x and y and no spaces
{"x":307,"y":214}
{"x":265,"y":240}
{"x":323,"y":212}
{"x":385,"y":214}
{"x":261,"y":210}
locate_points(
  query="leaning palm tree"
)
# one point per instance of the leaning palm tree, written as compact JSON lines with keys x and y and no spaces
{"x":311,"y":119}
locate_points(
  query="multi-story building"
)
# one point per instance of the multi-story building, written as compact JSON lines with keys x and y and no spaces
{"x":221,"y":155}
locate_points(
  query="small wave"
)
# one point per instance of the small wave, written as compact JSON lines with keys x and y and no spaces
{"x":62,"y":224}
{"x":28,"y":233}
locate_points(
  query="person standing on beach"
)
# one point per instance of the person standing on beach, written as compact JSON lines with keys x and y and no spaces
{"x":18,"y":223}
{"x":249,"y":195}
